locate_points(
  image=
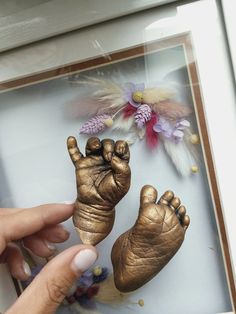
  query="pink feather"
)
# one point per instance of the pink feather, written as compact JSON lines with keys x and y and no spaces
{"x":171,"y":109}
{"x":151,"y":135}
{"x":87,"y":107}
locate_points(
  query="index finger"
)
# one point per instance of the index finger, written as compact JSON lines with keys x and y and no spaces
{"x":27,"y":221}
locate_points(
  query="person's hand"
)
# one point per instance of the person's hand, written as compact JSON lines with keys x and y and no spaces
{"x":103,"y":179}
{"x":38,"y":228}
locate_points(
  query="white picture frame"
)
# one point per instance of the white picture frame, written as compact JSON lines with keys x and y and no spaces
{"x":161,"y":24}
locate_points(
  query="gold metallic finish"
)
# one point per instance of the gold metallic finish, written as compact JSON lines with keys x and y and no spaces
{"x":172,"y":207}
{"x":103,"y":179}
{"x":182,"y":211}
{"x":140,"y":253}
{"x":175,"y":202}
{"x":186,"y":221}
{"x":166,"y":198}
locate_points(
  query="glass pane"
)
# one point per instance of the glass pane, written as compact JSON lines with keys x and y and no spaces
{"x":156,"y":97}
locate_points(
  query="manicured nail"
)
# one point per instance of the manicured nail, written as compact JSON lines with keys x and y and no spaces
{"x":83,"y":260}
{"x":26,"y":269}
{"x":69,"y":202}
{"x":50,"y":246}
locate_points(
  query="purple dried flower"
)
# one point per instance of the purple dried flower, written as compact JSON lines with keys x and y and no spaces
{"x":182,"y":124}
{"x":178,"y":135}
{"x":142,"y":115}
{"x":86,"y":280}
{"x":95,"y":125}
{"x":129,"y":89}
{"x":86,"y":302}
{"x":172,"y":131}
{"x":163,"y":126}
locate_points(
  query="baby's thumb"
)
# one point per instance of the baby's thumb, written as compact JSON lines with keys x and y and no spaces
{"x":52,"y":284}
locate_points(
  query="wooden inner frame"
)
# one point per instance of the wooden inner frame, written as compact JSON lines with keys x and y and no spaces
{"x":183,"y":40}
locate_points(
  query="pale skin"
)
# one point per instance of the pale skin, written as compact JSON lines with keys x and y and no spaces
{"x":36,"y":228}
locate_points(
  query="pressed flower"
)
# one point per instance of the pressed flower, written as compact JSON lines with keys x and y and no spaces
{"x":86,"y":280}
{"x":171,"y":131}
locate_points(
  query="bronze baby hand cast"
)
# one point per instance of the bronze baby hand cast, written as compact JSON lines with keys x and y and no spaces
{"x":103,"y":179}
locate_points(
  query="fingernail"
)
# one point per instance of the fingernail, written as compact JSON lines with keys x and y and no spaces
{"x":69,"y":202}
{"x":50,"y":246}
{"x":83,"y":260}
{"x":26,"y":269}
{"x":64,"y":228}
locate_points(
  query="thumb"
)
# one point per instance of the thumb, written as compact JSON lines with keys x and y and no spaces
{"x":52,"y":284}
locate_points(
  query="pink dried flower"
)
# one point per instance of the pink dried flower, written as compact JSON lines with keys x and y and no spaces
{"x":95,"y":124}
{"x":142,"y":115}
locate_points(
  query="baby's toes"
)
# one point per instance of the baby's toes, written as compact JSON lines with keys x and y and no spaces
{"x":166,"y":198}
{"x":184,"y":219}
{"x":175,"y":203}
{"x":186,"y":222}
{"x":181,"y":212}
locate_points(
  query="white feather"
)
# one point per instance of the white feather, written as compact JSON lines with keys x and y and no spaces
{"x":180,"y":156}
{"x":141,"y":133}
{"x":105,"y":92}
{"x":104,"y":87}
{"x":123,"y":124}
{"x":131,"y":138}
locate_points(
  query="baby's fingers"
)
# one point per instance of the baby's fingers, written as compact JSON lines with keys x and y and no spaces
{"x":121,"y":173}
{"x":122,"y":150}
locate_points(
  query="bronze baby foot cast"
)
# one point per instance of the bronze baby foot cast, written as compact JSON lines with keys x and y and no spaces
{"x":103,"y":179}
{"x":141,"y":252}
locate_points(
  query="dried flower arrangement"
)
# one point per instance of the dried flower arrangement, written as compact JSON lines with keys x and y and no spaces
{"x":141,"y":112}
